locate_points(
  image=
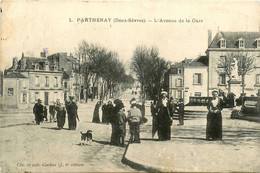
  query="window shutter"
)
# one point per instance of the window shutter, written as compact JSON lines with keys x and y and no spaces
{"x":176,"y":82}
{"x":194,"y":78}
{"x":201,"y":80}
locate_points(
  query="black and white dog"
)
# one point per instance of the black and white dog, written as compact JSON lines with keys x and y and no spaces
{"x":87,"y":136}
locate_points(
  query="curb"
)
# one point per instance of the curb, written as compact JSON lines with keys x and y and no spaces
{"x":137,"y":166}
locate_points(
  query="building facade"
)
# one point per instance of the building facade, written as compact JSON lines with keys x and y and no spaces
{"x":188,"y":78}
{"x":227,"y":44}
{"x":30,"y":79}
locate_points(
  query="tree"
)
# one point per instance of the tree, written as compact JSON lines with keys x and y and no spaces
{"x":100,"y":65}
{"x":245,"y":63}
{"x":149,"y":69}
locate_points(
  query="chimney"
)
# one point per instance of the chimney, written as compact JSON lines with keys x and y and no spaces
{"x":209,"y":37}
{"x":15,"y":63}
{"x":23,"y":62}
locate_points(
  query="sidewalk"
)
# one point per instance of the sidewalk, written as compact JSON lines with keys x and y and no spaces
{"x":189,"y":151}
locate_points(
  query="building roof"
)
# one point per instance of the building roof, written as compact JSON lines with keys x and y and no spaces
{"x":65,"y":75}
{"x":233,"y":37}
{"x":174,"y":68}
{"x":29,"y":63}
{"x":14,"y":75}
{"x":198,"y":62}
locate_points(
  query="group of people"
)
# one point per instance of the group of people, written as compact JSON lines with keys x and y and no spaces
{"x":116,"y":116}
{"x":58,"y":113}
{"x":163,"y":110}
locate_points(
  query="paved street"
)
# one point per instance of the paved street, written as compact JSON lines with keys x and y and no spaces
{"x":33,"y":148}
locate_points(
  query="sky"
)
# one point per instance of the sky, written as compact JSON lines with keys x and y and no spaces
{"x":29,"y":26}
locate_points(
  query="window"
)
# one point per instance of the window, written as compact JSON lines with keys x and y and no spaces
{"x":37,"y":84}
{"x":55,"y":96}
{"x":55,"y":82}
{"x":46,"y":81}
{"x":258,"y":43}
{"x":179,"y":94}
{"x":197,"y":79}
{"x":258,"y":79}
{"x":24,"y":97}
{"x":222,"y":79}
{"x":179,"y":83}
{"x":241,"y":43}
{"x":179,"y":71}
{"x":36,"y":95}
{"x":197,"y":94}
{"x":65,"y":84}
{"x":10,"y":91}
{"x":222,"y":43}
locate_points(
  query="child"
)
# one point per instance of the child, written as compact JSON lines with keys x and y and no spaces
{"x":134,"y":118}
{"x":121,"y":119}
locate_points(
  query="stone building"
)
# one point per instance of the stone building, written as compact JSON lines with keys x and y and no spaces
{"x":73,"y":81}
{"x":224,"y":44}
{"x":199,"y":77}
{"x":188,"y":78}
{"x":30,"y":79}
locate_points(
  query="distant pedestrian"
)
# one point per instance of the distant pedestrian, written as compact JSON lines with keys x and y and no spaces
{"x":121,"y":121}
{"x":72,"y":110}
{"x":164,"y":117}
{"x":95,"y":118}
{"x":38,"y":111}
{"x":45,"y":114}
{"x":52,"y":111}
{"x":114,"y":122}
{"x":134,"y":120}
{"x":61,"y":114}
{"x":214,"y":118}
{"x":155,"y":117}
{"x":181,"y":112}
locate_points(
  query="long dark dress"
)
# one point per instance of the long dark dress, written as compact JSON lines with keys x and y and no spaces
{"x":164,"y":121}
{"x":214,"y":121}
{"x":61,"y":115}
{"x":38,"y":112}
{"x":72,"y":110}
{"x":104,"y":113}
{"x":96,"y":114}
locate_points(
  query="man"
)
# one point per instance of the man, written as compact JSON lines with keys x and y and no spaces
{"x":181,"y":112}
{"x":38,"y":111}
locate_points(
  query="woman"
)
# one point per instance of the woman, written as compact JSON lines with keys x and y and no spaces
{"x":164,"y":117}
{"x":61,"y":114}
{"x":95,"y":118}
{"x":214,"y":118}
{"x":72,"y":110}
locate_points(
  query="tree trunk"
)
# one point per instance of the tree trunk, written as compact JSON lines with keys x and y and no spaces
{"x":243,"y":84}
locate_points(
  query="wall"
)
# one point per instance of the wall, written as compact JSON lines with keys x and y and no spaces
{"x":20,"y":86}
{"x":189,"y":87}
{"x":250,"y":87}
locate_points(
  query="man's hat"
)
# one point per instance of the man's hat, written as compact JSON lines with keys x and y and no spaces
{"x":39,"y":100}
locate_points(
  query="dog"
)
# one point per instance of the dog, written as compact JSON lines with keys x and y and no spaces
{"x":87,"y":136}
